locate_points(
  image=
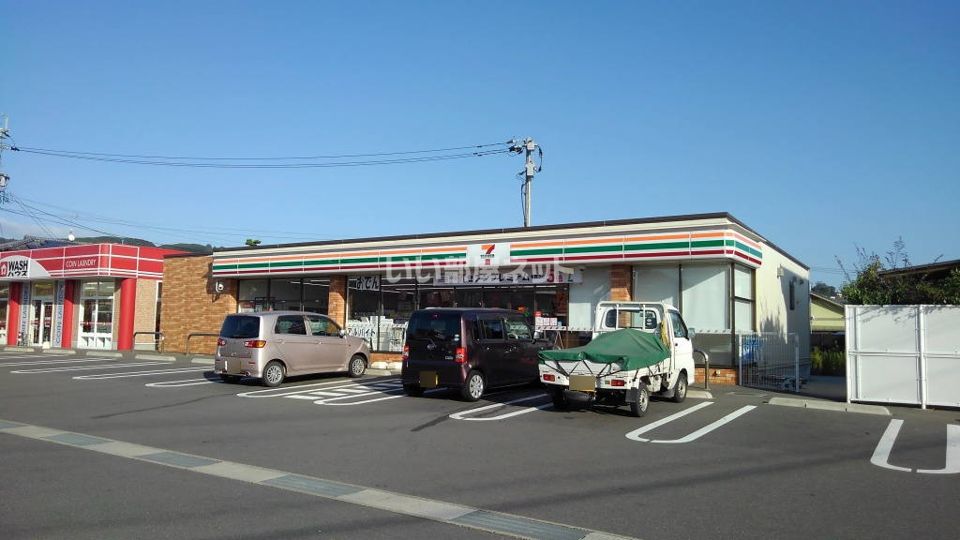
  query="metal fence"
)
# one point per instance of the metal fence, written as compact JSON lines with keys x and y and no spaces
{"x":771,"y":361}
{"x":904,"y":354}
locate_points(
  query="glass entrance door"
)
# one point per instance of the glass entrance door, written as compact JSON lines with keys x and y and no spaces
{"x":41,"y":322}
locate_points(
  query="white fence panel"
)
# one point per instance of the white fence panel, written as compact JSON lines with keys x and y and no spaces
{"x":904,"y":354}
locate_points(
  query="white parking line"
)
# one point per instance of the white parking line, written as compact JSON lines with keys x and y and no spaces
{"x":49,"y":362}
{"x":89,"y":368}
{"x":462,"y":414}
{"x":182,"y":382}
{"x":881,"y":454}
{"x":635,"y":434}
{"x":128,"y":374}
{"x":303,"y":388}
{"x":710,"y":427}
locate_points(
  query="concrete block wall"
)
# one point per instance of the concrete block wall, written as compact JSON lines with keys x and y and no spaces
{"x":190,"y":304}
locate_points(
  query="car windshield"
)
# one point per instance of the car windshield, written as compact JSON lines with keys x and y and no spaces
{"x":240,"y":327}
{"x":435,"y":325}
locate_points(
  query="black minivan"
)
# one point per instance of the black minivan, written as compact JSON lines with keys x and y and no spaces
{"x":469,"y":349}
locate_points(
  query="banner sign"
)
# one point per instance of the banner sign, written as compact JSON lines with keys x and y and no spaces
{"x":25,"y":292}
{"x":58,"y":313}
{"x":530,"y":275}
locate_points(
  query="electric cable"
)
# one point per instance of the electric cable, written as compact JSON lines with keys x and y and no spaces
{"x":262,"y":158}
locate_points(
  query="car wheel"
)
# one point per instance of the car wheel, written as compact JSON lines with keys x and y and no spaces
{"x":680,"y":389}
{"x":413,"y":390}
{"x":357,"y":366}
{"x":560,"y":402}
{"x":229,"y":378}
{"x":473,"y":387}
{"x":273,"y":374}
{"x":639,"y":408}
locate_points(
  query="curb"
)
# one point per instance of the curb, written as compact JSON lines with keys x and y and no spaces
{"x":63,"y":352}
{"x":699,"y":394}
{"x":381,"y":372}
{"x":160,"y":357}
{"x":830,"y":406}
{"x":19,"y":349}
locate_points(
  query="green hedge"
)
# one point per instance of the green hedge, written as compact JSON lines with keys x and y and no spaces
{"x":827,"y":362}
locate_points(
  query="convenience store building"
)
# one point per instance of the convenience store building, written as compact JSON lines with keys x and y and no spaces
{"x":725,"y":278}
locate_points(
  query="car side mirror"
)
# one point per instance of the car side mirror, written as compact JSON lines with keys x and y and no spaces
{"x":342,"y":333}
{"x":690,"y":333}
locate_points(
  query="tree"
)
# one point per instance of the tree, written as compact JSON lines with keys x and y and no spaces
{"x":252,"y":242}
{"x":823,"y":289}
{"x":871,"y":285}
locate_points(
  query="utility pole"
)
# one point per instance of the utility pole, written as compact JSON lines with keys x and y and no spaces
{"x":4,"y":178}
{"x":528,"y":146}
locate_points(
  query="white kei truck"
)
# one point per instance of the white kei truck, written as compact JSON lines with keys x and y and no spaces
{"x":638,"y":349}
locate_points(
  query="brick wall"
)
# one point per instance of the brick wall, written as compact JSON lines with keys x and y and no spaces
{"x":145,"y":311}
{"x":189,"y":303}
{"x":621,"y":287}
{"x":718,"y":376}
{"x":337,"y":300}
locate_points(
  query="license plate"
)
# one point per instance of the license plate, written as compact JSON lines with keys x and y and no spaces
{"x":583,"y":383}
{"x":428,"y":379}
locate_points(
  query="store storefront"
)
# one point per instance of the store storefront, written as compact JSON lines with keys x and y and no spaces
{"x":725,"y":278}
{"x":89,"y":297}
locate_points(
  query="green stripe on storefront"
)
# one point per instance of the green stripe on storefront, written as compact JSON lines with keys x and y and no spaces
{"x":527,"y":252}
{"x":443,"y":256}
{"x":706,"y":243}
{"x":360,"y":260}
{"x":744,"y":247}
{"x":593,"y":249}
{"x":656,"y":246}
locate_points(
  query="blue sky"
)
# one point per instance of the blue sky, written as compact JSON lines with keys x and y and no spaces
{"x":821,"y":125}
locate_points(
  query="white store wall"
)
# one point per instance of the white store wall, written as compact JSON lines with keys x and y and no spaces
{"x":585,"y":296}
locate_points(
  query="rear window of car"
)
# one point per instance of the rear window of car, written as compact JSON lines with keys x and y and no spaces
{"x":240,"y":327}
{"x":435,"y":326}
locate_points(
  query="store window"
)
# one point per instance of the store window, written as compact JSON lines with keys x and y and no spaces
{"x":743,"y":300}
{"x":706,"y":308}
{"x":252,"y":295}
{"x":316,"y":294}
{"x":285,"y":294}
{"x":96,"y":318}
{"x":657,"y":284}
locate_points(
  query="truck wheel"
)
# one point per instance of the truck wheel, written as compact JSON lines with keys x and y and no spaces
{"x":639,"y":408}
{"x":560,"y":402}
{"x":680,"y":389}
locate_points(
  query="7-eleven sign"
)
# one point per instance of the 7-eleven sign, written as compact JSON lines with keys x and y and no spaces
{"x":493,"y":254}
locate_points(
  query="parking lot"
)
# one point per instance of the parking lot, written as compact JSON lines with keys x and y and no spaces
{"x":333,"y":457}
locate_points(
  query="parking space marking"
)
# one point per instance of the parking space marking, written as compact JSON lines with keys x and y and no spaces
{"x":89,"y":368}
{"x":291,"y":390}
{"x":53,"y":362}
{"x":881,"y":454}
{"x":149,"y":373}
{"x":635,"y":434}
{"x":463,"y":414}
{"x":183,"y":382}
{"x":397,"y":503}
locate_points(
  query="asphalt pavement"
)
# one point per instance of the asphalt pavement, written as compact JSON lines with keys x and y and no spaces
{"x":332,"y":457}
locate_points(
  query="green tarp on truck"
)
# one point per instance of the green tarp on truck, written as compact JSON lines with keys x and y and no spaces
{"x":630,"y":348}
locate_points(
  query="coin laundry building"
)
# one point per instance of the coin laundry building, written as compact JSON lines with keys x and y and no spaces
{"x":725,"y":278}
{"x":87,"y":296}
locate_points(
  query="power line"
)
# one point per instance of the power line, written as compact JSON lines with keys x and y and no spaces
{"x":301,"y":165}
{"x":262,"y":158}
{"x":213,"y":231}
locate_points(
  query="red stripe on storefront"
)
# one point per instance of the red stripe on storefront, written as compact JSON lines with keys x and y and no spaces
{"x":751,"y":259}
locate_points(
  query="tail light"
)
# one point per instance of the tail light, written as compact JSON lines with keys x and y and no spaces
{"x":406,"y":353}
{"x":549,"y":377}
{"x":255,"y":343}
{"x":221,"y":342}
{"x":461,"y":355}
{"x":618,"y":382}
